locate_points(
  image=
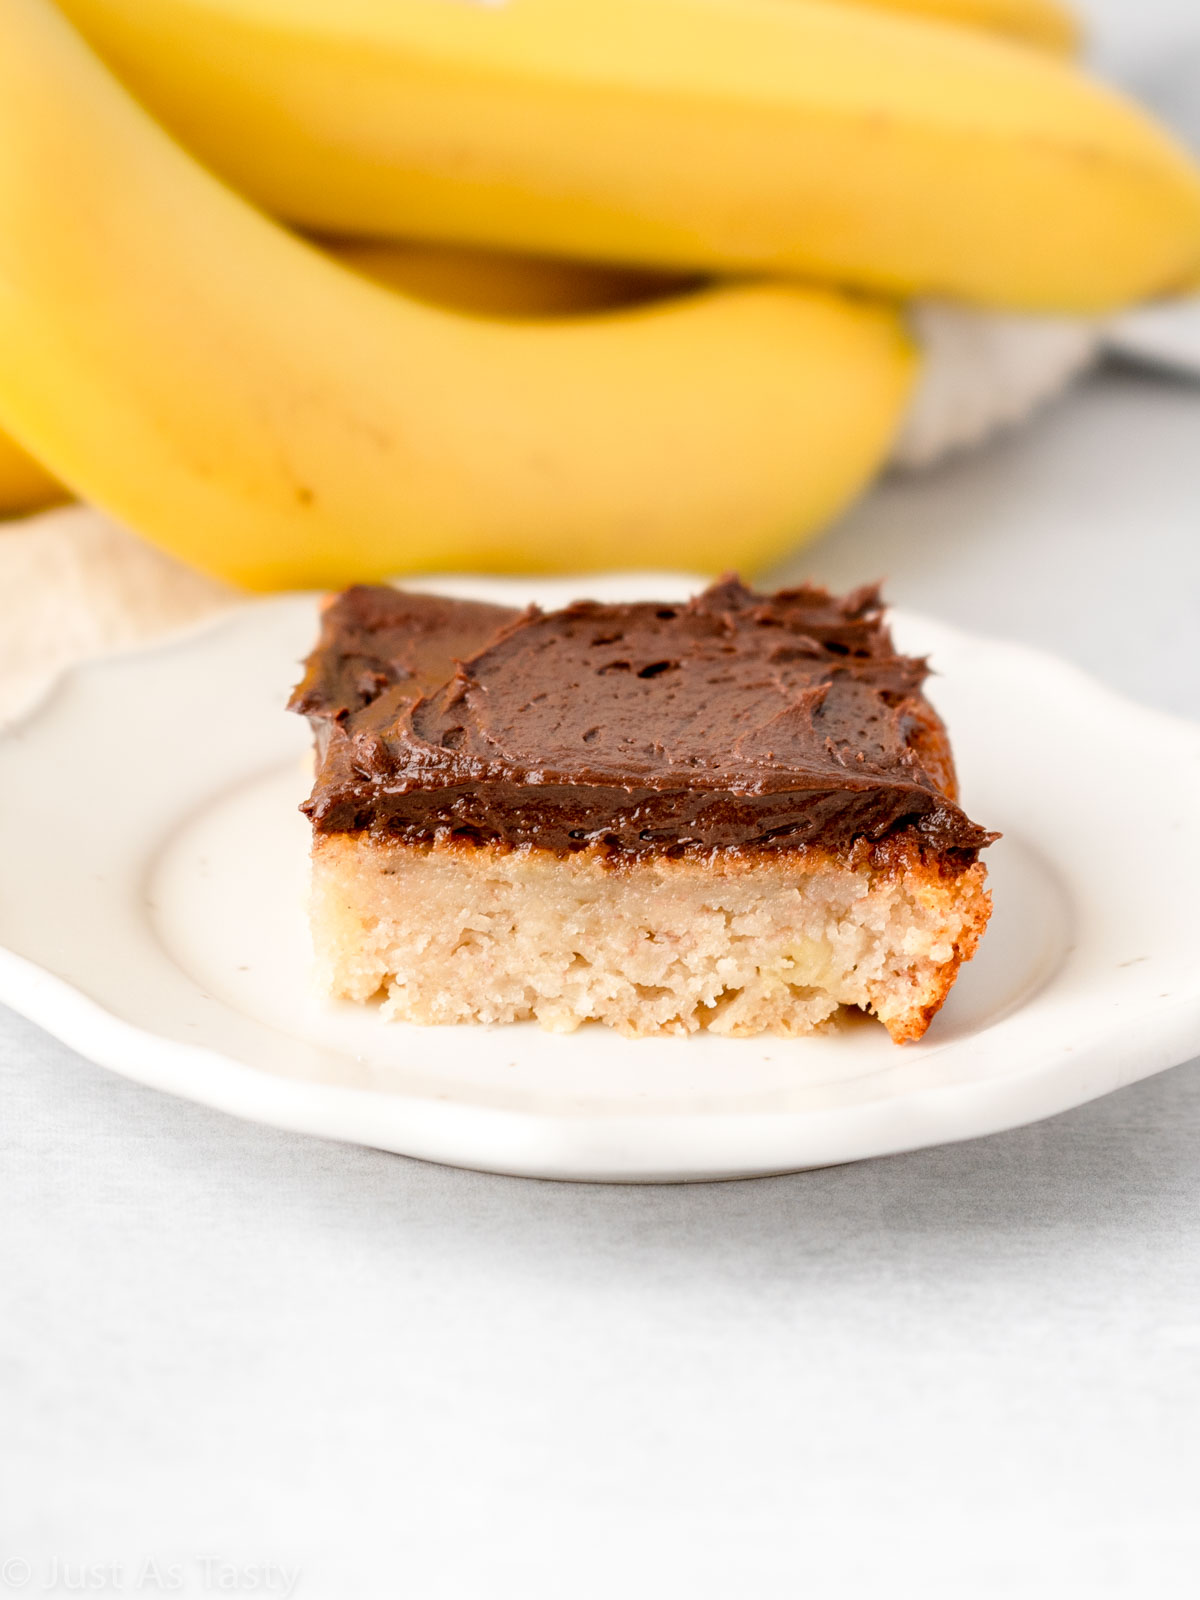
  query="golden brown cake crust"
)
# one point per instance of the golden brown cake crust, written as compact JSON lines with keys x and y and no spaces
{"x":450,"y":932}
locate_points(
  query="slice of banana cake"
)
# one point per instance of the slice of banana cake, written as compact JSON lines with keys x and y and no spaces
{"x":736,"y":813}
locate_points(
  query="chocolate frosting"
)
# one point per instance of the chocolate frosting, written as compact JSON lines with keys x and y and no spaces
{"x":734,"y":721}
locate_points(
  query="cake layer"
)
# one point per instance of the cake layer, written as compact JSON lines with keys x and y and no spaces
{"x":733,"y":722}
{"x":457,"y":932}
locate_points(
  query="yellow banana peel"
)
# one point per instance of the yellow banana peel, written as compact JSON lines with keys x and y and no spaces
{"x":498,"y":283}
{"x":484,"y":282}
{"x":835,"y":142}
{"x":1041,"y":23}
{"x":25,"y":485}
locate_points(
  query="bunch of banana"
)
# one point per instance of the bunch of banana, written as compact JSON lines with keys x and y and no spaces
{"x":282,"y":413}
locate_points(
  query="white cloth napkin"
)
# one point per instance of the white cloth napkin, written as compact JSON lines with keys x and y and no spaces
{"x":75,"y":585}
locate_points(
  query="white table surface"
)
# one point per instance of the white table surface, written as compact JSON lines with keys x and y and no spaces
{"x":970,"y":1372}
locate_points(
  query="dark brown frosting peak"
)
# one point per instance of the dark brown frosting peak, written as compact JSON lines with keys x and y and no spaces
{"x":734,"y":720}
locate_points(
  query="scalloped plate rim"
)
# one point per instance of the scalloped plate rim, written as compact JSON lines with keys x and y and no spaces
{"x":588,"y":1148}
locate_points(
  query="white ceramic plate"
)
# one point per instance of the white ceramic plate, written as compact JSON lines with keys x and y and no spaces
{"x":152,"y":871}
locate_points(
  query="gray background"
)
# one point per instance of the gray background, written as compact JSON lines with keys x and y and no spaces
{"x":971,"y":1372}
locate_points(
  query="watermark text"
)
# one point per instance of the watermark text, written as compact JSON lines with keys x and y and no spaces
{"x":152,"y":1575}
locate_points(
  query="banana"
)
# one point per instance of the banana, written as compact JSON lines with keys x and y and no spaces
{"x":495,"y":283}
{"x":24,"y":485}
{"x":829,"y":141}
{"x":1042,"y":23}
{"x":485,"y":282}
{"x":270,"y":416}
